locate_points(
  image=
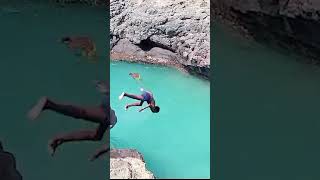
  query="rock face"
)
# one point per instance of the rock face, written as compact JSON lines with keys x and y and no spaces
{"x":174,"y":32}
{"x":128,"y":164}
{"x":293,"y":24}
{"x":8,"y":170}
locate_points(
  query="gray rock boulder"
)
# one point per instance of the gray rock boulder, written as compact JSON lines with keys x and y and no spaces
{"x":180,"y":27}
{"x":128,"y":164}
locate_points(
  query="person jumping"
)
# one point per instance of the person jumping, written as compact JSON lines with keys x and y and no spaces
{"x":96,"y":114}
{"x":146,"y":96}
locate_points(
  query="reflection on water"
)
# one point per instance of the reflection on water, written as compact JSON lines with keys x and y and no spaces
{"x":179,"y":133}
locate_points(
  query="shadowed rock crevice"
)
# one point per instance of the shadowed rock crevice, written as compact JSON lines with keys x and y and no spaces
{"x":147,"y":45}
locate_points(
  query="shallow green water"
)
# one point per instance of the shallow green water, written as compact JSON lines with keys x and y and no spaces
{"x":266,"y":112}
{"x":33,"y":64}
{"x":175,"y":142}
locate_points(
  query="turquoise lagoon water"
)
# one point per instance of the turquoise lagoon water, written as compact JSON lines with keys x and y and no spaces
{"x":175,"y":142}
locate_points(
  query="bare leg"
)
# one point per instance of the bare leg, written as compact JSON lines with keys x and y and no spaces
{"x":84,"y":135}
{"x":132,"y":96}
{"x":93,"y":114}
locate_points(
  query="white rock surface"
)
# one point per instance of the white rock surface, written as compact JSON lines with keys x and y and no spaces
{"x":128,"y":164}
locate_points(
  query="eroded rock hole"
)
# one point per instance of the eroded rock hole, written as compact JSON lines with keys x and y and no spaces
{"x":147,"y":45}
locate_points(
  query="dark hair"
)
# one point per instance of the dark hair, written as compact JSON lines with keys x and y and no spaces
{"x":1,"y":147}
{"x":156,"y":109}
{"x":65,"y":39}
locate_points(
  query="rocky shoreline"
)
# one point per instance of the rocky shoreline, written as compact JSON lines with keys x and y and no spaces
{"x":128,"y":164}
{"x":167,"y":32}
{"x":125,"y":51}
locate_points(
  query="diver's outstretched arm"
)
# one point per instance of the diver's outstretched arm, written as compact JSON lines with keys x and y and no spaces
{"x":144,"y":108}
{"x":134,"y":104}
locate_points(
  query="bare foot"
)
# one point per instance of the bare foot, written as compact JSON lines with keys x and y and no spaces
{"x":53,"y":145}
{"x":121,"y":96}
{"x":37,"y":109}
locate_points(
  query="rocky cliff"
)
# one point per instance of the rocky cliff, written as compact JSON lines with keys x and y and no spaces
{"x":128,"y":164}
{"x":169,"y":32}
{"x":292,"y":24}
{"x":8,"y":168}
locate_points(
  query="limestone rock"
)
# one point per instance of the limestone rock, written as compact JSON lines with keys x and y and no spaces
{"x":128,"y":164}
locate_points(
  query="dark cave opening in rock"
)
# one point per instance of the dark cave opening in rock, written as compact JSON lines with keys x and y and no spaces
{"x":147,"y":45}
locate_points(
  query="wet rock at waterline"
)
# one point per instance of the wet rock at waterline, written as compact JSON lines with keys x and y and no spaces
{"x":161,"y":32}
{"x":124,"y":49}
